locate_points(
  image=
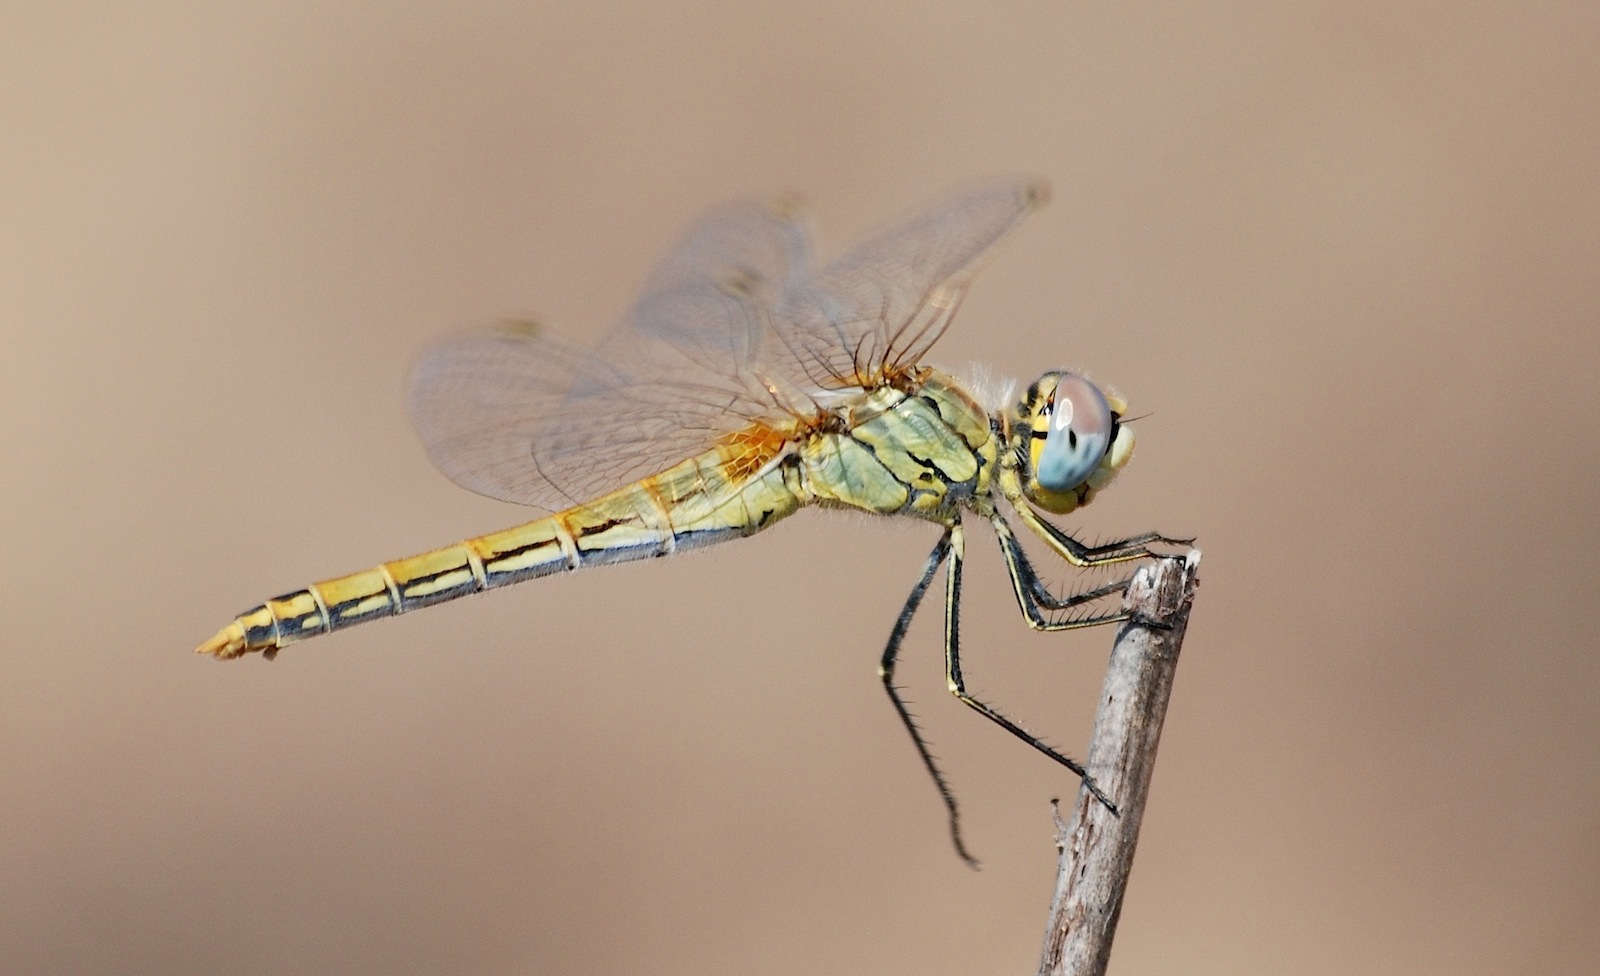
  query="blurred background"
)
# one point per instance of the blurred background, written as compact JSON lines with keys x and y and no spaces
{"x":1345,"y":253}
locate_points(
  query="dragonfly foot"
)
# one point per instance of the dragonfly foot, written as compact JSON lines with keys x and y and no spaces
{"x":1099,"y":794}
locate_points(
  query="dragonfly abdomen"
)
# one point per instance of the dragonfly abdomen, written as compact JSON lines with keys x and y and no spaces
{"x":533,"y":549}
{"x":692,"y":504}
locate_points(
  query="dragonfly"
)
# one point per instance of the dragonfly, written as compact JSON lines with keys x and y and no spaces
{"x":749,"y":382}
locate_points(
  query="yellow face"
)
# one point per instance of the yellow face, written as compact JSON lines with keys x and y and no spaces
{"x":1075,"y":441}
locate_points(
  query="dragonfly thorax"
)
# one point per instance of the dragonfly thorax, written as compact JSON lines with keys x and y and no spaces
{"x":922,"y":447}
{"x":1069,"y":440}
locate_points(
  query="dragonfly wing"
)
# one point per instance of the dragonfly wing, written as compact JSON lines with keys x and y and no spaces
{"x":476,"y":401}
{"x":734,"y":328}
{"x":518,"y":415}
{"x":732,"y":266}
{"x":885,"y":302}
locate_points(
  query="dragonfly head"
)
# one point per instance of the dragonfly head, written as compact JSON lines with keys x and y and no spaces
{"x":1071,"y":441}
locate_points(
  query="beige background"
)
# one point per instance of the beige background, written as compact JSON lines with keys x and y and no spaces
{"x":1346,"y":253}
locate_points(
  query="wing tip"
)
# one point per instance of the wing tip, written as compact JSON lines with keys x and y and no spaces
{"x":1036,"y":192}
{"x":519,"y":327}
{"x":787,"y":207}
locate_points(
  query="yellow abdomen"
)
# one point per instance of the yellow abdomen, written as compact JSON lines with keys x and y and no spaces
{"x":724,"y":493}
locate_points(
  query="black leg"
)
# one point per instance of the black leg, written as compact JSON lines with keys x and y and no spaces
{"x":1078,"y":554}
{"x":952,"y":662}
{"x":886,"y":671}
{"x":1033,"y":597}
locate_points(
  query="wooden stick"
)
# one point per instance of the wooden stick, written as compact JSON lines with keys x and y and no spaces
{"x":1097,"y":849}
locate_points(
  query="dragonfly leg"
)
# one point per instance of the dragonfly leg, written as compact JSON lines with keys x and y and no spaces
{"x":1079,"y":554}
{"x":891,"y":654}
{"x":1033,"y":597}
{"x":958,"y":687}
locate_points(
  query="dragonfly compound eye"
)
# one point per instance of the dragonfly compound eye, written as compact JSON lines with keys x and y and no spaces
{"x":1078,"y":430}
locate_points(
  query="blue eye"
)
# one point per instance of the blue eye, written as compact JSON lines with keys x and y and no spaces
{"x":1078,"y":435}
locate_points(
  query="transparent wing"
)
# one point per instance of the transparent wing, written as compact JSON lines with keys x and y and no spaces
{"x":884,"y":303}
{"x":477,"y":401}
{"x":519,"y":415}
{"x":733,"y":328}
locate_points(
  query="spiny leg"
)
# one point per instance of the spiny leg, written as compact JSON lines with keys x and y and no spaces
{"x":1033,"y":597}
{"x":1079,"y":554}
{"x":958,"y":687}
{"x":886,"y":672}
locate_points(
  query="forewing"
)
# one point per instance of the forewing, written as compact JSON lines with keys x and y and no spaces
{"x":886,"y":301}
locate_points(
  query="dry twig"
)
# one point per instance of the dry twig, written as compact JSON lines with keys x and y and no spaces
{"x":1097,"y":848}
